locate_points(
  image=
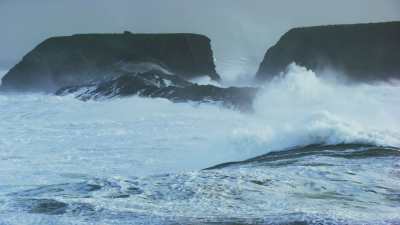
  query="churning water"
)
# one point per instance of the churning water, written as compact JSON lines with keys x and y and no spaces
{"x":327,"y":155}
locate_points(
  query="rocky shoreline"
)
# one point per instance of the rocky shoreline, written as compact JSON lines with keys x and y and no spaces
{"x":105,"y":66}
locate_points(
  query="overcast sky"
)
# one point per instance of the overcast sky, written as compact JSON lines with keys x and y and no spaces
{"x":241,"y":30}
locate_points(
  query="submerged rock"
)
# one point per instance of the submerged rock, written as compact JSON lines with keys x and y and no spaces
{"x":85,"y":58}
{"x":363,"y":52}
{"x":43,"y":206}
{"x":156,"y":84}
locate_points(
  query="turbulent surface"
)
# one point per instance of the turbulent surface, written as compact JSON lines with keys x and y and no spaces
{"x":141,"y":161}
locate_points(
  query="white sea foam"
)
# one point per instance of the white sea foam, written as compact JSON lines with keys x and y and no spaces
{"x":156,"y":136}
{"x":300,"y":108}
{"x":47,"y":140}
{"x":205,"y":80}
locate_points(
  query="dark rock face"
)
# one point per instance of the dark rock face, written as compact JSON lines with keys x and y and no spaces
{"x":156,"y":84}
{"x":81,"y":59}
{"x":363,"y":52}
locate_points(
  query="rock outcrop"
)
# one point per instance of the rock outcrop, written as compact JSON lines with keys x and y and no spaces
{"x":86,"y":58}
{"x":362,"y":52}
{"x":156,"y":84}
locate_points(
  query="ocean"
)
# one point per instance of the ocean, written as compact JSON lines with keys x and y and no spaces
{"x":314,"y":151}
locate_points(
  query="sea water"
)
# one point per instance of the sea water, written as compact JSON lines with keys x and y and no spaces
{"x":140,"y":161}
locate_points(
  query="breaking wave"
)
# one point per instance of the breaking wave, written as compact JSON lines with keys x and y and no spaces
{"x":140,"y":160}
{"x":298,"y":108}
{"x":301,"y":108}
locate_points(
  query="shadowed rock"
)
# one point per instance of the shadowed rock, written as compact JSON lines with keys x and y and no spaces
{"x":156,"y":84}
{"x":363,"y":52}
{"x":80,"y":59}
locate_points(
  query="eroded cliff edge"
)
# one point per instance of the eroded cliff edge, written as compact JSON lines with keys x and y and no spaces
{"x":362,"y":52}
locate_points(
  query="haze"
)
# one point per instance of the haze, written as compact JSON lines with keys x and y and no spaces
{"x":241,"y":30}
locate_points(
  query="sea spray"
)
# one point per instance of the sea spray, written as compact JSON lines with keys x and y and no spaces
{"x":301,"y":108}
{"x":139,"y":160}
{"x":155,"y":135}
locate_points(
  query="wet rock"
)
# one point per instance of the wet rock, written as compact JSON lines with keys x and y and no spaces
{"x":156,"y":84}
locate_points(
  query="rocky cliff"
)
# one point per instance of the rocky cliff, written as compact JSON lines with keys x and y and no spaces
{"x":81,"y":59}
{"x":363,"y":52}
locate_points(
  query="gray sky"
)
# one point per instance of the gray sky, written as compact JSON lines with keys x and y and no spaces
{"x":241,"y":30}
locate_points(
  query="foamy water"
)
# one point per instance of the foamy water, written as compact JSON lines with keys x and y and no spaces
{"x":151,"y":152}
{"x":302,"y":109}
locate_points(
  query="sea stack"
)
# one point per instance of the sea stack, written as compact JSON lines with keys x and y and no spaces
{"x":362,"y":52}
{"x":86,"y":58}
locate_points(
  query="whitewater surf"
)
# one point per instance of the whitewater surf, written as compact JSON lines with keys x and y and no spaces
{"x":314,"y":151}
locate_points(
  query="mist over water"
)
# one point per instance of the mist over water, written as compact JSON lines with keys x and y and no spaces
{"x":138,"y":159}
{"x":240,"y":31}
{"x":296,"y":109}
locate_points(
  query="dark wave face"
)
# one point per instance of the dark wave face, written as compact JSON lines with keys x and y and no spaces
{"x":293,"y":155}
{"x":317,"y":184}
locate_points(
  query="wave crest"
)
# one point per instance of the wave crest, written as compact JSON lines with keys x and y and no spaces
{"x":302,"y":108}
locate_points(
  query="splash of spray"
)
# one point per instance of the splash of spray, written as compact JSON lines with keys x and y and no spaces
{"x":301,"y":108}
